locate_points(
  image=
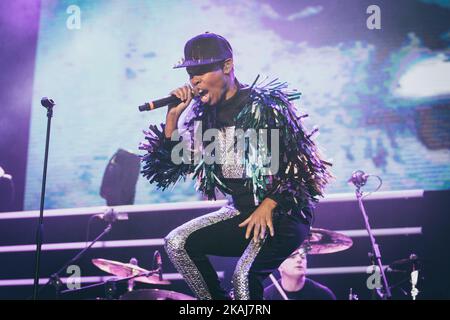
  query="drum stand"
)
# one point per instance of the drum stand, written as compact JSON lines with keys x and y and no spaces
{"x":55,"y":280}
{"x":111,"y":284}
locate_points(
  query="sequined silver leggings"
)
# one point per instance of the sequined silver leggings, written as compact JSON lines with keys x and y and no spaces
{"x":217,"y":233}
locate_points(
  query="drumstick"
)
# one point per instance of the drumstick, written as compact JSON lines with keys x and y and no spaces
{"x":279,"y":288}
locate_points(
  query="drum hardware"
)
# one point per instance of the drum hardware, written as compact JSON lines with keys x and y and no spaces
{"x":352,"y":296}
{"x":322,"y":241}
{"x":110,"y":285}
{"x":411,"y":266}
{"x":319,"y":241}
{"x":130,"y":271}
{"x":55,"y":280}
{"x":155,"y":294}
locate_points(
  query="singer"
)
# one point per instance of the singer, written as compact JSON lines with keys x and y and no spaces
{"x":268,"y":216}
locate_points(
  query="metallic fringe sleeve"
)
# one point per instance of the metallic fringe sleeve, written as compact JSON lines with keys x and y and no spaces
{"x":157,"y":163}
{"x":302,"y":175}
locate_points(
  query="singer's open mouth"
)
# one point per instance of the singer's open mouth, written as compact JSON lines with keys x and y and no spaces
{"x":202,"y":92}
{"x":204,"y":96}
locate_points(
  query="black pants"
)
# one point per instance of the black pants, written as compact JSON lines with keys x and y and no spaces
{"x":218,"y":234}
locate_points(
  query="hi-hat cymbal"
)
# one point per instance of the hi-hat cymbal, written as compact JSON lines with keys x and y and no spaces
{"x":413,"y":262}
{"x":322,"y":241}
{"x":124,"y":270}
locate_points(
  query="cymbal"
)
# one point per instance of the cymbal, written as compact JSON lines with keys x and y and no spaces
{"x":412,"y":262}
{"x":322,"y":241}
{"x":124,"y":270}
{"x":155,"y":294}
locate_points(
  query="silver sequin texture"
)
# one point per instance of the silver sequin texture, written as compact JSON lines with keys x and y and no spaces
{"x":240,"y":275}
{"x":232,"y":162}
{"x":175,"y":247}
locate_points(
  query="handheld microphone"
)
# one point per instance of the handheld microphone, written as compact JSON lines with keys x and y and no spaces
{"x":155,"y":104}
{"x":148,"y":106}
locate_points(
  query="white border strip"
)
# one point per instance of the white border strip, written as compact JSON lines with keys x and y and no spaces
{"x":380,"y":195}
{"x":177,"y":276}
{"x":160,"y":242}
{"x":137,"y":208}
{"x":81,"y":245}
{"x":338,"y":270}
{"x":30,"y":282}
{"x":193,"y":205}
{"x":382,"y":232}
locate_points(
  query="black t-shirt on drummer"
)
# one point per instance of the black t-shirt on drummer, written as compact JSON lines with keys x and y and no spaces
{"x":312,"y":290}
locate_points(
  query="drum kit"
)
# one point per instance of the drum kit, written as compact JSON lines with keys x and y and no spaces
{"x":320,"y":241}
{"x":132,"y":273}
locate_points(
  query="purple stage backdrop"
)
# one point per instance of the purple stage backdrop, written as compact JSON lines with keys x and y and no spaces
{"x":379,"y":96}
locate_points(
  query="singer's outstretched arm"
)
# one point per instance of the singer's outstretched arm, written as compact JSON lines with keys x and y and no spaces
{"x":158,"y":164}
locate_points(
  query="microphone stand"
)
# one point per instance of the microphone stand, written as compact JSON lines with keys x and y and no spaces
{"x":111,"y":284}
{"x":55,"y":278}
{"x":48,"y":104}
{"x":375,"y":248}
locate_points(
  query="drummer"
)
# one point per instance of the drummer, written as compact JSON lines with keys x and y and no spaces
{"x":295,"y":284}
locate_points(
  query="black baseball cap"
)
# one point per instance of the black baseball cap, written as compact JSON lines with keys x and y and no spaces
{"x":206,"y":48}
